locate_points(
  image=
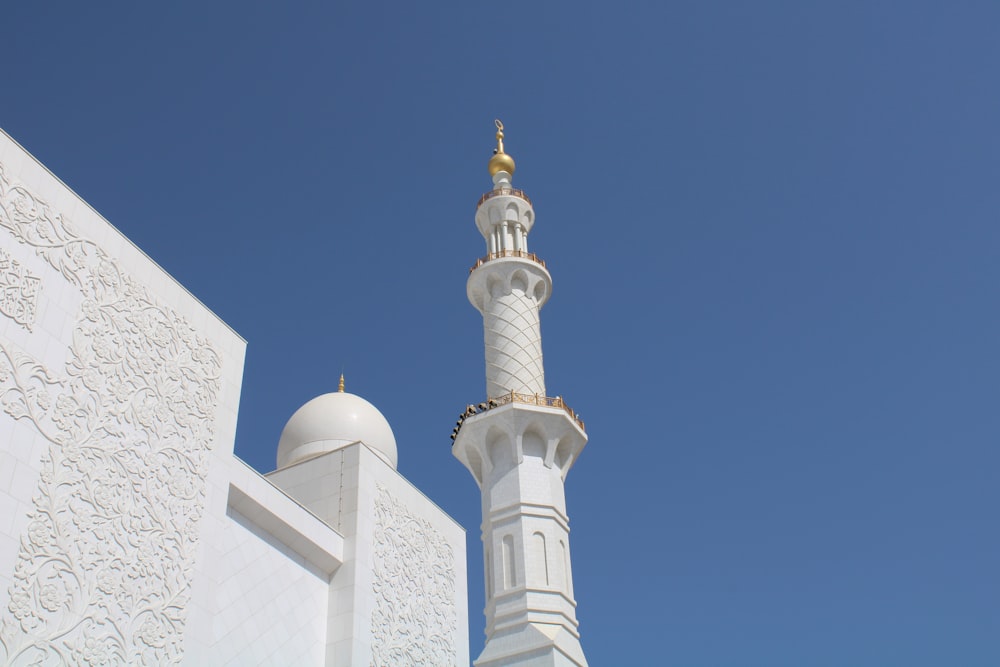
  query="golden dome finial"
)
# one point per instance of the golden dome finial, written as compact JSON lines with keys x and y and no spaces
{"x":500,"y":160}
{"x":499,"y":135}
{"x":340,"y":387}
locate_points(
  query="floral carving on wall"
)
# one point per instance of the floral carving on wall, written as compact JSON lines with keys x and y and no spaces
{"x":18,"y":291}
{"x":104,"y":568}
{"x":415,"y":620}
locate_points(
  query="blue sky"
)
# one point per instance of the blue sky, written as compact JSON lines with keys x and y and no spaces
{"x":773,"y":234}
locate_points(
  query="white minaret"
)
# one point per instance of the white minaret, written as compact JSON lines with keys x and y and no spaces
{"x":519,"y":444}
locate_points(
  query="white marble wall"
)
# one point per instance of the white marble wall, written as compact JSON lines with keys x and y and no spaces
{"x":271,"y":602}
{"x":400,"y":597}
{"x":118,"y":397}
{"x":261,"y":556}
{"x":418,"y":579}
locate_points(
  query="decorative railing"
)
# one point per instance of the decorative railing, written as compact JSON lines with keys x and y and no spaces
{"x":499,"y":192}
{"x":534,"y":399}
{"x":508,"y":253}
{"x":514,"y":397}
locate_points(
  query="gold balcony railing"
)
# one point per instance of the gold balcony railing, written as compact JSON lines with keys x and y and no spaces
{"x":507,"y":253}
{"x":534,"y":399}
{"x":514,"y":397}
{"x":512,"y":192}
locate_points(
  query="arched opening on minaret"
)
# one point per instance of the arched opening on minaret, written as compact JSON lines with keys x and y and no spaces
{"x":494,"y":286}
{"x":541,"y":558}
{"x":563,"y":451}
{"x":540,"y":291}
{"x":509,"y":573}
{"x":532,"y":444}
{"x":498,"y":446}
{"x":519,"y":282}
{"x":475,"y":464}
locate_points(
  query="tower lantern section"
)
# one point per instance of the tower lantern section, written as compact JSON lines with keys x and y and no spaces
{"x":519,"y":444}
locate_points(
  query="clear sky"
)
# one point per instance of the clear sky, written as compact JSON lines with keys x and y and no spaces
{"x":774,"y":235}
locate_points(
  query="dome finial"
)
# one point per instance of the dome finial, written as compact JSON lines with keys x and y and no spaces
{"x":499,"y":125}
{"x":340,"y":386}
{"x":500,"y":160}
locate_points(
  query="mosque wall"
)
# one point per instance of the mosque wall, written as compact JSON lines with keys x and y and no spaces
{"x":401,"y":597}
{"x":118,"y":401}
{"x":129,"y":533}
{"x":271,"y":604}
{"x":418,"y":579}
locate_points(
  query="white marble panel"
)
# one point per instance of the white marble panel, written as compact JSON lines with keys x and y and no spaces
{"x":270,"y":602}
{"x":118,"y":395}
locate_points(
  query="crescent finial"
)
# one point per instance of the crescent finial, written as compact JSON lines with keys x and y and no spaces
{"x":499,"y":135}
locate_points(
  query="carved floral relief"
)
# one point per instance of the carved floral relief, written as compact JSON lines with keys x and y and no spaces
{"x":104,"y":568}
{"x":18,"y":291}
{"x":415,"y":620}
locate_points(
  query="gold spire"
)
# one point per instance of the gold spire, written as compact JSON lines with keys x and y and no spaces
{"x":500,"y":160}
{"x":340,"y":387}
{"x":499,"y":135}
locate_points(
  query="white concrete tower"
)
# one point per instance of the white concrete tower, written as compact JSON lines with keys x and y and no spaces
{"x":519,"y":445}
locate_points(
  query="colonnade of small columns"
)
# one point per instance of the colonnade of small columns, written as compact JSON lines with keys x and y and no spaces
{"x":508,"y":236}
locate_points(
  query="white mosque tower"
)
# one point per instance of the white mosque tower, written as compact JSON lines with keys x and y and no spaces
{"x":519,"y":444}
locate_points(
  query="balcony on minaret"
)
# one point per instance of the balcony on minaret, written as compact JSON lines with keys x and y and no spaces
{"x":503,"y":192}
{"x":505,"y":423}
{"x":507,"y":253}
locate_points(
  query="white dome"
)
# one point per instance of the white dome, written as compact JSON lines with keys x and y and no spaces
{"x":332,"y":421}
